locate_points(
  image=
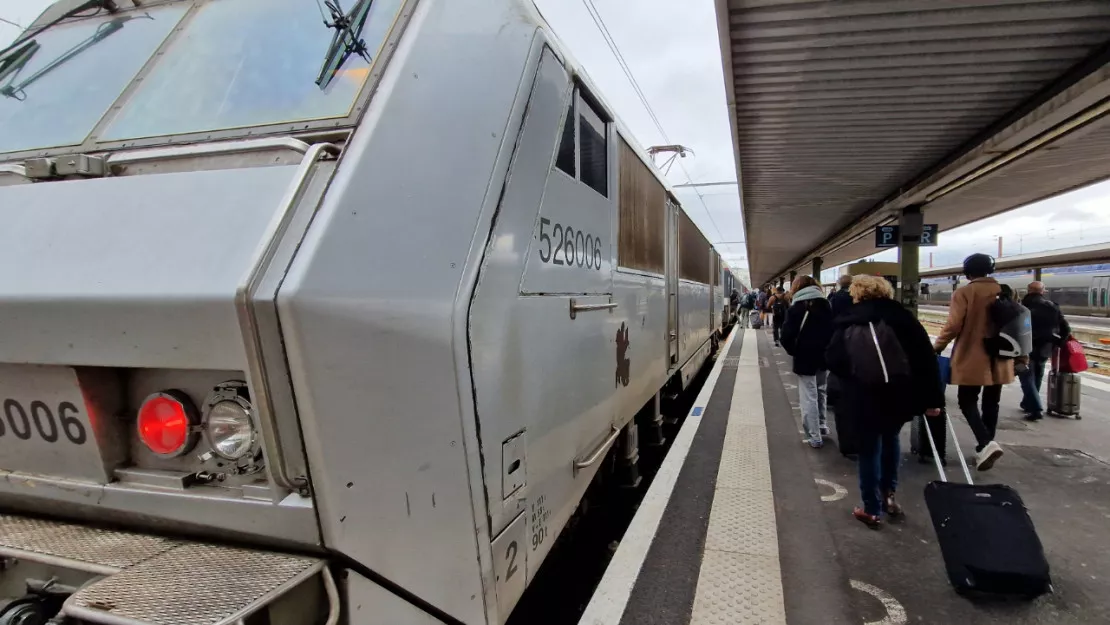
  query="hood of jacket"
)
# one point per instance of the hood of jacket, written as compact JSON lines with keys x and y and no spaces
{"x":808,"y":293}
{"x":868,"y":310}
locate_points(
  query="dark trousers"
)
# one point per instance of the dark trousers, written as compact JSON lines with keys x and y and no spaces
{"x":984,"y":423}
{"x":776,"y":329}
{"x":878,"y":467}
{"x":1031,"y":384}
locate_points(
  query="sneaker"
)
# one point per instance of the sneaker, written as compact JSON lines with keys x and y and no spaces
{"x":870,"y":520}
{"x":1034,"y":416}
{"x":986,"y":458}
{"x":891,"y":507}
{"x":817,"y":444}
{"x":824,"y":430}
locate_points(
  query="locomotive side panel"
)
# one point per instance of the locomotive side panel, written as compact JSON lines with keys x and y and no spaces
{"x":371,"y":306}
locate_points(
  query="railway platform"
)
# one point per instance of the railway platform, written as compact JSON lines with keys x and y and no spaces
{"x":744,"y":524}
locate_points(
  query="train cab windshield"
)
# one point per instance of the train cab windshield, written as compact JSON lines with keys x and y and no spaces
{"x":181,"y":67}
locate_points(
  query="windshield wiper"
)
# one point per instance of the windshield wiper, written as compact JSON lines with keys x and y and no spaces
{"x":347,"y":40}
{"x":16,"y":57}
{"x":11,"y":71}
{"x":100,"y":5}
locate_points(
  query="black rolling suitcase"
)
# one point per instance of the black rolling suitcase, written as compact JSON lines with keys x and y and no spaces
{"x":938,"y":425}
{"x":847,"y":440}
{"x":923,"y":448}
{"x":986,"y":536}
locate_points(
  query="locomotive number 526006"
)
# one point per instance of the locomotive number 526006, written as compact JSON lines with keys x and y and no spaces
{"x":568,"y":247}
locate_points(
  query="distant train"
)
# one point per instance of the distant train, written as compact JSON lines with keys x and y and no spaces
{"x":1083,"y":290}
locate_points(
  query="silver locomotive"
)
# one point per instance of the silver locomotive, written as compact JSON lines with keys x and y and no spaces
{"x":318,"y":320}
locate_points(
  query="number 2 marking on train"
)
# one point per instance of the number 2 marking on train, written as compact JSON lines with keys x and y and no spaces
{"x":510,"y":555}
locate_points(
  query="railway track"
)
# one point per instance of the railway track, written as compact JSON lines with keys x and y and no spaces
{"x":1098,"y":353}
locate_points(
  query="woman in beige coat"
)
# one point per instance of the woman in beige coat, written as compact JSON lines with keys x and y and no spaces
{"x":973,"y":369}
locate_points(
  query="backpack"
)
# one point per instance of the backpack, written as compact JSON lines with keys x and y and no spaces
{"x":876,"y":354}
{"x":778,"y":309}
{"x":749,"y":301}
{"x":1013,"y":330}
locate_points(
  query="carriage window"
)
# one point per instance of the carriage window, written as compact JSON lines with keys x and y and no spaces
{"x":565,"y":160}
{"x":1104,"y":302}
{"x":585,"y":136}
{"x":594,"y":149}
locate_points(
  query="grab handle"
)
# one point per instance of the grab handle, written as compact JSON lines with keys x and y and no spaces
{"x":588,"y":461}
{"x":576,"y":308}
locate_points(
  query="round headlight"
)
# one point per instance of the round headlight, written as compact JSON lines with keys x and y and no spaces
{"x":229,"y":430}
{"x":227,"y":423}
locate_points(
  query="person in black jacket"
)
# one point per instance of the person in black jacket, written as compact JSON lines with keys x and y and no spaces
{"x":841,"y":299}
{"x":1050,"y":328}
{"x":777,"y":304}
{"x":806,"y":329}
{"x":881,"y":410}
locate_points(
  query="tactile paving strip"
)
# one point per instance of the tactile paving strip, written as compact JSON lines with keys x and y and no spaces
{"x":740,"y":581}
{"x":87,"y":548}
{"x":743,"y":470}
{"x":193,"y":584}
{"x":738,"y":589}
{"x":750,"y":439}
{"x":743,"y":520}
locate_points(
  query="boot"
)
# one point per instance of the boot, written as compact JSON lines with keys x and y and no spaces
{"x":890,"y":505}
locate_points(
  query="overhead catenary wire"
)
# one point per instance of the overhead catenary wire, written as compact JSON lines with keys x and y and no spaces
{"x":595,"y":15}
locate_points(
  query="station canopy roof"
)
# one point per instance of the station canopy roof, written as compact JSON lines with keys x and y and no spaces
{"x":846,"y":111}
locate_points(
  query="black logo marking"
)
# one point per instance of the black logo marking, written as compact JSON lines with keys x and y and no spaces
{"x":624,"y":364}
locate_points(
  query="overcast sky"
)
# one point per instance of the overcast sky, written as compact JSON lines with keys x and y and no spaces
{"x":673,"y":51}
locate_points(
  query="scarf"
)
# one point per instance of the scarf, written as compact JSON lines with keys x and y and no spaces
{"x":808,"y":293}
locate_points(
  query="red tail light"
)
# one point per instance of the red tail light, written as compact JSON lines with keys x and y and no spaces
{"x":167,"y":423}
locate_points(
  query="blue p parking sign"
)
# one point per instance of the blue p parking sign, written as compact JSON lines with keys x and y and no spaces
{"x":886,"y":236}
{"x":890,"y":236}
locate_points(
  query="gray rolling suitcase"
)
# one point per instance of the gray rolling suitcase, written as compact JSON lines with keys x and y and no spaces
{"x":1063,"y":394}
{"x":755,"y":319}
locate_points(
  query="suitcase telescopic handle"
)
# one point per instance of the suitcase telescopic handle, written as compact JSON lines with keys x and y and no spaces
{"x":936,"y":453}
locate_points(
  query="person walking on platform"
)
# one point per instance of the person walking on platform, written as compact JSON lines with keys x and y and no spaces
{"x":974,"y":371}
{"x":1050,"y":328}
{"x":888,"y":374}
{"x":747,"y":304}
{"x":761,"y":304}
{"x":806,"y":328}
{"x":841,"y":299}
{"x":777,"y":305}
{"x":734,"y":301}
